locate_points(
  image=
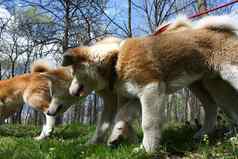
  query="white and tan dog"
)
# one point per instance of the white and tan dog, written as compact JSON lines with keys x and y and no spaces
{"x":203,"y":58}
{"x":41,"y":89}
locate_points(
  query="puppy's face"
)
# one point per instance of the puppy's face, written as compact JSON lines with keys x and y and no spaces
{"x":119,"y":133}
{"x":86,"y":72}
{"x":78,"y":89}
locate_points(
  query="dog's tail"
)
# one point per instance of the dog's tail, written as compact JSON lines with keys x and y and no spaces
{"x":180,"y":23}
{"x":40,"y":66}
{"x":222,"y":23}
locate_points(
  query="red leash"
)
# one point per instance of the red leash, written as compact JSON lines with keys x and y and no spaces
{"x":163,"y":28}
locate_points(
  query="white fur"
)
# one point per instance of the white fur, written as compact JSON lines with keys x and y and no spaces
{"x":230,"y":74}
{"x":104,"y":126}
{"x":224,"y":22}
{"x":182,"y":19}
{"x":217,"y":22}
{"x":43,"y":62}
{"x":54,"y":104}
{"x":47,"y":128}
{"x":74,"y":86}
{"x":122,"y":43}
{"x":101,"y":49}
{"x":132,"y":88}
{"x":152,"y":97}
{"x":124,"y":117}
{"x":50,"y":88}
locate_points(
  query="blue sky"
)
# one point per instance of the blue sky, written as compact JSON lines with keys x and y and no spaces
{"x":118,"y":10}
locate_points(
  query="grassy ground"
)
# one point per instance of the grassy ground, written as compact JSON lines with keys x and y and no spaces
{"x":68,"y":142}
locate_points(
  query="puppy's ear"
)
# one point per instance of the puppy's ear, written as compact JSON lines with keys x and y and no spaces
{"x":108,"y":69}
{"x":111,"y":59}
{"x":68,"y":59}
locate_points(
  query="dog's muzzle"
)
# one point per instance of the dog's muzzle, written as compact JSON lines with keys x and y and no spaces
{"x":116,"y":142}
{"x":80,"y":91}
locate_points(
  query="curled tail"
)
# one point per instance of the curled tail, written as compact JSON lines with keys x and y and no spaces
{"x":40,"y":66}
{"x":222,"y":23}
{"x":179,"y":24}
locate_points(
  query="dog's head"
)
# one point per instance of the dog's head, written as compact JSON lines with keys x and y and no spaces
{"x":119,"y":133}
{"x":92,"y":66}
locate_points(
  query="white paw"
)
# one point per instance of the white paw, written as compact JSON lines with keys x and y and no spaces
{"x":39,"y":138}
{"x":138,"y":149}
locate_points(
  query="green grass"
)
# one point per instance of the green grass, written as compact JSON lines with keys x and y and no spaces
{"x":68,"y":142}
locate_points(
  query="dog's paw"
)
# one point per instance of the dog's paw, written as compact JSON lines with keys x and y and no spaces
{"x":38,"y":138}
{"x":138,"y":149}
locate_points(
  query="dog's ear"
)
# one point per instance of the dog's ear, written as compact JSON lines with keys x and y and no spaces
{"x":75,"y":55}
{"x":111,"y":59}
{"x":68,"y":58}
{"x":108,"y":68}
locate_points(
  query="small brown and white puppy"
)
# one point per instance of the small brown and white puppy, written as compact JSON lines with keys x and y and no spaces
{"x":148,"y":68}
{"x":41,"y":89}
{"x":127,"y":109}
{"x":95,"y":77}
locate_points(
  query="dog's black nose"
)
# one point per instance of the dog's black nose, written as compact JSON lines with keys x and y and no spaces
{"x":115,"y":143}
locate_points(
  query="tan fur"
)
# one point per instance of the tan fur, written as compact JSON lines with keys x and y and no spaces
{"x":40,"y":66}
{"x":148,"y":68}
{"x":31,"y":86}
{"x":37,"y":89}
{"x":155,"y":57}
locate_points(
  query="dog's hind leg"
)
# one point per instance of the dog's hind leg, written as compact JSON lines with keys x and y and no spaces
{"x":106,"y":117}
{"x":225,"y":95}
{"x":47,"y":128}
{"x":209,"y":106}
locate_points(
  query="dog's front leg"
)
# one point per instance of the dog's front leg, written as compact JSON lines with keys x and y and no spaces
{"x":54,"y":106}
{"x":106,"y":117}
{"x":47,"y":128}
{"x":152,"y":97}
{"x":210,"y":108}
{"x":123,"y":129}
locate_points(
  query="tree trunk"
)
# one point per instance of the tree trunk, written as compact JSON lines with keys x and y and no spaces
{"x":129,"y":19}
{"x":0,"y":71}
{"x":67,"y":25}
{"x":94,"y":110}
